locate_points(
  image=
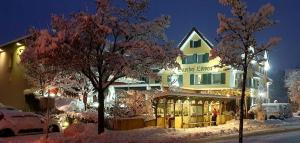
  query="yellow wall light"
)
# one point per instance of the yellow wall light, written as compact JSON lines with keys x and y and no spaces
{"x":1,"y":50}
{"x":18,"y":44}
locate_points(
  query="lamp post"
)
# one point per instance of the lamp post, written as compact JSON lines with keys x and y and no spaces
{"x":267,"y":68}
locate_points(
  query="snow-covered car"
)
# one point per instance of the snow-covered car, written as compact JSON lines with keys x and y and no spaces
{"x":275,"y":110}
{"x":15,"y":122}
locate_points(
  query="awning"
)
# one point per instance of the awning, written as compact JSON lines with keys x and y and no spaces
{"x":194,"y":95}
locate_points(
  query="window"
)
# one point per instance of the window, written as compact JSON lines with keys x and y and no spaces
{"x":191,"y":59}
{"x":203,"y":58}
{"x":195,"y":44}
{"x":255,"y":83}
{"x":198,"y":79}
{"x":196,"y":110}
{"x":205,"y":79}
{"x":216,"y":78}
{"x":200,"y":59}
{"x":145,"y":79}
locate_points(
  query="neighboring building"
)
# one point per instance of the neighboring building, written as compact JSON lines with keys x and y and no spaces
{"x":12,"y":81}
{"x":199,"y":86}
{"x":126,"y":84}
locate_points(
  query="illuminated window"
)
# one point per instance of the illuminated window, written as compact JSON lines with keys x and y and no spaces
{"x":196,"y":110}
{"x":198,"y":79}
{"x":206,"y":107}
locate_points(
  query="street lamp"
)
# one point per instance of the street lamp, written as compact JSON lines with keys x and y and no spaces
{"x":267,"y":66}
{"x":1,"y":50}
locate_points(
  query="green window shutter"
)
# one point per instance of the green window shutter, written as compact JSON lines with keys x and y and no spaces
{"x":209,"y":78}
{"x":195,"y":58}
{"x":204,"y":79}
{"x":205,"y":57}
{"x":223,"y":78}
{"x":192,"y":79}
{"x":199,"y":43}
{"x":180,"y":80}
{"x":191,"y":44}
{"x":183,"y":60}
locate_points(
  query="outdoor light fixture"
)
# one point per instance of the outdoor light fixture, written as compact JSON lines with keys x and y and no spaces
{"x":261,"y":94}
{"x":1,"y":50}
{"x":18,"y":44}
{"x":267,"y":66}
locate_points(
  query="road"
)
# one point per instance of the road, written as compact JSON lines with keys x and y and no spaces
{"x":286,"y":137}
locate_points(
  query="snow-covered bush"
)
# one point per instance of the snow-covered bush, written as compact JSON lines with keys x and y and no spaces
{"x":74,"y":129}
{"x":133,"y":104}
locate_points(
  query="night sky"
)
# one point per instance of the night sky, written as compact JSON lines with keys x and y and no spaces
{"x":17,"y":16}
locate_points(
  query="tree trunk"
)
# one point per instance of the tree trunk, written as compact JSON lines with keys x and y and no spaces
{"x":100,"y":111}
{"x":85,"y":100}
{"x":155,"y":112}
{"x":242,"y":105}
{"x":47,"y":116}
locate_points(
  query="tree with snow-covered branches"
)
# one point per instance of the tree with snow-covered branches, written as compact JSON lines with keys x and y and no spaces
{"x":292,"y":83}
{"x":238,"y":45}
{"x":75,"y":84}
{"x":111,"y":43}
{"x":39,"y":69}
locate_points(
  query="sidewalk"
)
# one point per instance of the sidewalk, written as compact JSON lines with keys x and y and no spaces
{"x":287,"y":128}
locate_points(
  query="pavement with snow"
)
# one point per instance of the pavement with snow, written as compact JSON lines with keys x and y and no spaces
{"x":86,"y":133}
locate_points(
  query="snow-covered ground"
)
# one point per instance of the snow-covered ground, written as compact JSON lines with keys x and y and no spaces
{"x":87,"y":133}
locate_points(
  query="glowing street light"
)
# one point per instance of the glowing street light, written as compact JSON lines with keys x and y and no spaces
{"x":267,"y":66}
{"x":1,"y":50}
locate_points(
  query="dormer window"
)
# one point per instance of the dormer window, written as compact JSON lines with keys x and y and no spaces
{"x":195,"y":44}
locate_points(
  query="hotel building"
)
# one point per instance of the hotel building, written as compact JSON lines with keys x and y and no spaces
{"x":198,"y":87}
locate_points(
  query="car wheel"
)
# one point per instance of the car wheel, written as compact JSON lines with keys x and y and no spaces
{"x":53,"y":128}
{"x":272,"y":117}
{"x":6,"y":133}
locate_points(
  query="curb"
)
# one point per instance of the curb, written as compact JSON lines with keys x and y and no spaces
{"x":246,"y":134}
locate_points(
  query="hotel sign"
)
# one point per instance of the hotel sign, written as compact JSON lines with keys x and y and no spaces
{"x":197,"y":69}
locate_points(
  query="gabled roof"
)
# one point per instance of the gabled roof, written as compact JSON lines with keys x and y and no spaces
{"x":194,"y":29}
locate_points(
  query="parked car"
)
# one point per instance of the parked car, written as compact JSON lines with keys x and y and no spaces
{"x":15,"y":122}
{"x":275,"y":110}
